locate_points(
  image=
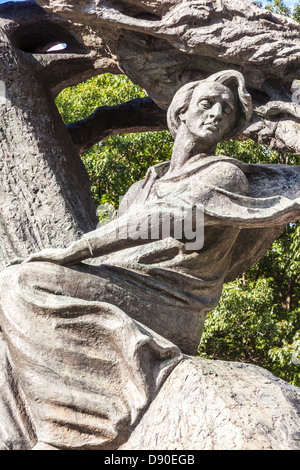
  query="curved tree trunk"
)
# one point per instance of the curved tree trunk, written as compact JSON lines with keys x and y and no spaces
{"x":44,"y":188}
{"x":45,"y":191}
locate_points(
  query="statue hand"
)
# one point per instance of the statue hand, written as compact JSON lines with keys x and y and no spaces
{"x":13,"y":262}
{"x":51,"y":255}
{"x":73,"y":254}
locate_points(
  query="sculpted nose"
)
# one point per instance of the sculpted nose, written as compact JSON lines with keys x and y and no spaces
{"x":216,"y":111}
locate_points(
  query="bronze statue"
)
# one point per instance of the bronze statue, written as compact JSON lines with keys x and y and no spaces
{"x":110,"y":317}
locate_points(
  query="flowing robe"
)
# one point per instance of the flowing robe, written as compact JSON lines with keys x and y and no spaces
{"x":89,"y":346}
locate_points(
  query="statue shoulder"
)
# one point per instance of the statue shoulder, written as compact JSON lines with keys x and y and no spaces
{"x":130,"y":197}
{"x":133,"y":193}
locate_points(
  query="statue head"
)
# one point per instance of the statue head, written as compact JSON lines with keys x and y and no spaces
{"x":213,"y":109}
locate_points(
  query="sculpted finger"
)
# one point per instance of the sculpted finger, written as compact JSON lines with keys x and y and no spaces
{"x":15,"y":261}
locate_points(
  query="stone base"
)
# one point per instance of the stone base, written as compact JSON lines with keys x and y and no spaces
{"x":216,"y":405}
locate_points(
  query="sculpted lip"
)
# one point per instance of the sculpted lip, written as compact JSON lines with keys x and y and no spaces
{"x":210,"y":126}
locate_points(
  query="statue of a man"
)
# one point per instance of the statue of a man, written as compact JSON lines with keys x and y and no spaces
{"x":91,"y":329}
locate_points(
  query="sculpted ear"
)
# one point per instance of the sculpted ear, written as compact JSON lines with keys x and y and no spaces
{"x":182,"y":115}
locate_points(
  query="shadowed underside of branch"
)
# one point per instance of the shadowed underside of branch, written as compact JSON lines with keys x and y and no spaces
{"x":161,"y":45}
{"x":138,"y":115}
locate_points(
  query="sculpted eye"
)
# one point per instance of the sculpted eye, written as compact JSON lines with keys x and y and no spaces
{"x":226,"y":109}
{"x":205,"y":104}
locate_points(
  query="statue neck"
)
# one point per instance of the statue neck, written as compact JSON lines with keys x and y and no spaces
{"x":186,"y":147}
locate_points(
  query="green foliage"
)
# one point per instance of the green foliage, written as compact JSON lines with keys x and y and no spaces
{"x":249,"y":151}
{"x":119,"y":161}
{"x":278,"y":6}
{"x":296,"y":12}
{"x":281,"y":265}
{"x":246,"y":327}
{"x":78,"y":102}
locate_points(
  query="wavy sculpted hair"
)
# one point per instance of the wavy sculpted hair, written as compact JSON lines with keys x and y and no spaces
{"x":231,"y":79}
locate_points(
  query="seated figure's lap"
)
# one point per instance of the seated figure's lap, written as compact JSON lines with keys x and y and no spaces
{"x":155,"y":303}
{"x":86,"y":369}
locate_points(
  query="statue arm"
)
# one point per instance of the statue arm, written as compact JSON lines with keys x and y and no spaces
{"x":249,"y":212}
{"x":135,"y":227}
{"x":129,"y":230}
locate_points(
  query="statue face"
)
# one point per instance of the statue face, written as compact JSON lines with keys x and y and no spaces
{"x":211,"y":113}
